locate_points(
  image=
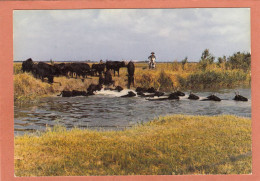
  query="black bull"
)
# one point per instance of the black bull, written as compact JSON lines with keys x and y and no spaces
{"x":43,"y":70}
{"x":131,"y":72}
{"x":80,"y":69}
{"x":114,"y":65}
{"x":62,"y":68}
{"x":98,"y":68}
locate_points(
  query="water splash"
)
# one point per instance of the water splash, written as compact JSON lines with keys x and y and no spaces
{"x":114,"y":93}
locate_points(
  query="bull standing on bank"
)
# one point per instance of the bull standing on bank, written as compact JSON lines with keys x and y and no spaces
{"x":131,"y":72}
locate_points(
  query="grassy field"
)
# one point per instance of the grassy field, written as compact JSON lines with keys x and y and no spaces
{"x":166,"y":77}
{"x":171,"y":145}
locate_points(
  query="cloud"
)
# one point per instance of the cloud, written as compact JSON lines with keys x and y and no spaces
{"x":130,"y":33}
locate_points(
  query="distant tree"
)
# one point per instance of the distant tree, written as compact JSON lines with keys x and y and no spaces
{"x":222,"y":61}
{"x":183,"y":62}
{"x":240,"y":61}
{"x":206,"y":59}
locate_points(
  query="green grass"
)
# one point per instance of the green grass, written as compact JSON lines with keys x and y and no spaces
{"x":171,"y":145}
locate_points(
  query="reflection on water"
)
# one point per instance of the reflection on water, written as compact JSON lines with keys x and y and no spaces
{"x":110,"y":112}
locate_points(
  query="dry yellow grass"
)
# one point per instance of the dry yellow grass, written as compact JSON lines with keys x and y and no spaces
{"x":190,"y":76}
{"x":171,"y":145}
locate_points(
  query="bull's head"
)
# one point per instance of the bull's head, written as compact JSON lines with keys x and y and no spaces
{"x":29,"y":60}
{"x":123,"y":63}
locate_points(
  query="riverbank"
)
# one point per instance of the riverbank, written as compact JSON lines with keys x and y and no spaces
{"x":171,"y":145}
{"x":166,"y":77}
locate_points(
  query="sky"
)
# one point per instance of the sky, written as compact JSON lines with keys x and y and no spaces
{"x":130,"y":34}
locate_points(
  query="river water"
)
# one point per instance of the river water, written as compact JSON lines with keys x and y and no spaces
{"x":107,"y":110}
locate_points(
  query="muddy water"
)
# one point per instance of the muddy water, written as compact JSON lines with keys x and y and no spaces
{"x":108,"y":111}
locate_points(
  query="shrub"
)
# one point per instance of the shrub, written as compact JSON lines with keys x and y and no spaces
{"x":240,"y":61}
{"x":213,"y":79}
{"x":165,"y":82}
{"x":146,"y":79}
{"x":206,"y":59}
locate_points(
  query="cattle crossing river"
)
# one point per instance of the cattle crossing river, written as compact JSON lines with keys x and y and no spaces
{"x":110,"y":112}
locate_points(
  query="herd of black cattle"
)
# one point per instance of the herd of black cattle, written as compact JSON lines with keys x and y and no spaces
{"x":43,"y":70}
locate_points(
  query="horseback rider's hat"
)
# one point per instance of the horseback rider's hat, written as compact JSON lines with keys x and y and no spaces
{"x":152,"y":53}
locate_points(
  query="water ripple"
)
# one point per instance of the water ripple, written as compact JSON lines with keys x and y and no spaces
{"x":108,"y":112}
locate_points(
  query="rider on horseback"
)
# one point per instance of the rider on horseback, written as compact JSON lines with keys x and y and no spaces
{"x":152,"y":61}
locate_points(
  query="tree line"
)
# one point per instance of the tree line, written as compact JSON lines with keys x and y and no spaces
{"x":236,"y":61}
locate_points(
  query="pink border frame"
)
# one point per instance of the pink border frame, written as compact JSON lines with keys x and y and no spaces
{"x":6,"y":79}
